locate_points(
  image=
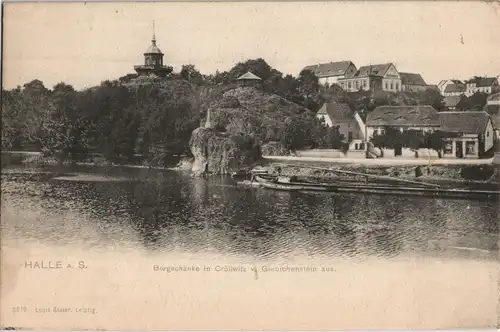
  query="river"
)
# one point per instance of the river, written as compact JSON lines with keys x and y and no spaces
{"x":161,"y":250}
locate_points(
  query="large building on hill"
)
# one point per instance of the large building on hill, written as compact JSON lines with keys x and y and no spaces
{"x":330,"y":73}
{"x":383,"y":77}
{"x":153,"y":61}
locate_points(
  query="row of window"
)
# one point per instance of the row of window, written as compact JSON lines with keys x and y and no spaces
{"x":355,"y":84}
{"x":391,"y":86}
{"x":358,"y":84}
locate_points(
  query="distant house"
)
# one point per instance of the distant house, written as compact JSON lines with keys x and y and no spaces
{"x":470,"y":134}
{"x":494,"y":111}
{"x":493,"y":99}
{"x":451,"y":87}
{"x":330,"y":73}
{"x":451,"y":102}
{"x":481,"y":84}
{"x":383,"y":77}
{"x":412,"y":82}
{"x":249,"y":79}
{"x":492,"y":107}
{"x":340,"y":114}
{"x":422,"y":118}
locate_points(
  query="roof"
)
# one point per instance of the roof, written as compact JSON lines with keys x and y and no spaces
{"x":467,"y":122}
{"x":483,"y":81}
{"x":451,"y":101}
{"x":374,"y":70}
{"x":403,"y":116}
{"x":337,"y":111}
{"x":329,"y":69}
{"x":494,"y":112}
{"x":249,"y":76}
{"x":455,"y":88}
{"x":493,"y":98}
{"x":153,"y":49}
{"x":412,"y":79}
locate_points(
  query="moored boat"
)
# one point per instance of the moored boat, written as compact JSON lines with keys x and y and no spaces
{"x":424,"y":189}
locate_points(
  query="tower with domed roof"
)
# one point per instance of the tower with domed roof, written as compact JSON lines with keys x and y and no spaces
{"x":153,"y":61}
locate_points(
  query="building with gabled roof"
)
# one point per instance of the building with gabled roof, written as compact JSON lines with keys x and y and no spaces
{"x":494,"y":111}
{"x":331,"y":72}
{"x":412,"y":82}
{"x":452,"y":87}
{"x":341,"y":115}
{"x":383,"y":77}
{"x":469,"y":133}
{"x":249,"y":79}
{"x":423,"y":118}
{"x":481,"y":84}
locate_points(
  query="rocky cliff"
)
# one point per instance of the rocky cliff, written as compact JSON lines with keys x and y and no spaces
{"x":221,"y":153}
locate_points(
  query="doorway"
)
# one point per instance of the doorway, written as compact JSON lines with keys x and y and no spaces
{"x":398,"y":150}
{"x":459,"y":153}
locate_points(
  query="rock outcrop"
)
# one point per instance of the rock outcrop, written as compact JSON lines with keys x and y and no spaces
{"x":220,"y":153}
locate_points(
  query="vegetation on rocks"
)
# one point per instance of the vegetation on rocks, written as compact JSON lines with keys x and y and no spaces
{"x":221,"y":153}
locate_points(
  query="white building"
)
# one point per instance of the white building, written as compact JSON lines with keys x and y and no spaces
{"x":330,"y":73}
{"x":481,"y":84}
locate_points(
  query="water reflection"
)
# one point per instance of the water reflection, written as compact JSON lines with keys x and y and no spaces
{"x":167,"y":210}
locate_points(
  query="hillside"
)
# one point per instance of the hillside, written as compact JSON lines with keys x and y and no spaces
{"x":265,"y":116}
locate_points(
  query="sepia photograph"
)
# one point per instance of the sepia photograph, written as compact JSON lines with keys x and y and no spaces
{"x":250,"y":165}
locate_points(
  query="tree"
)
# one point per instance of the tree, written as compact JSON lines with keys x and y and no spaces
{"x":191,"y":74}
{"x":475,"y":102}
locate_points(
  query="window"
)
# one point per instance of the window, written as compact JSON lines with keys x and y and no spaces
{"x":382,"y":131}
{"x":356,"y":146}
{"x":349,"y":135}
{"x":365,"y":83}
{"x":470,"y":147}
{"x":487,"y":134}
{"x":397,"y":86}
{"x":391,"y":85}
{"x":349,"y":85}
{"x":386,"y":85}
{"x":448,"y":147}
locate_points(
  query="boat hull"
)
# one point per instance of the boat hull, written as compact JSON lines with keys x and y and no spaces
{"x":270,"y":183}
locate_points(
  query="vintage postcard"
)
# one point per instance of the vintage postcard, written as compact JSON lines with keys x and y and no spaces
{"x":253,"y":165}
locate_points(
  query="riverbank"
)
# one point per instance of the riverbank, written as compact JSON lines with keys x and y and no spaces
{"x":37,"y":159}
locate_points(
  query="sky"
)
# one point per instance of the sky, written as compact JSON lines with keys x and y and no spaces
{"x":85,"y":43}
